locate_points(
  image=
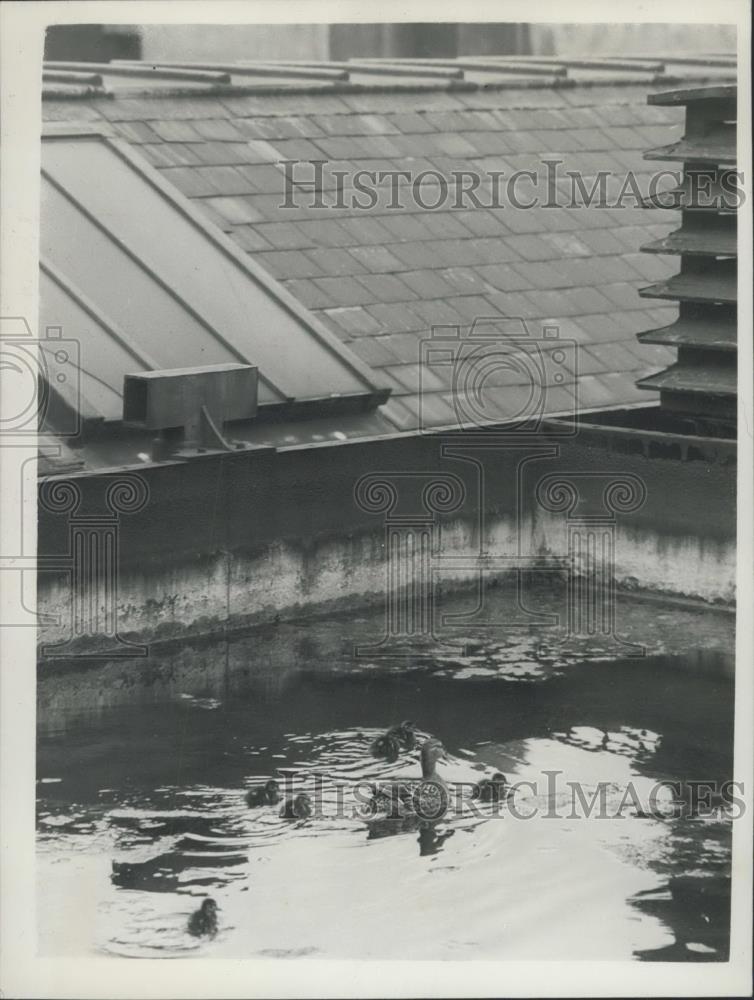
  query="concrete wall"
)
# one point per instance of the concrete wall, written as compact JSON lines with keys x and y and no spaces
{"x":233,"y":540}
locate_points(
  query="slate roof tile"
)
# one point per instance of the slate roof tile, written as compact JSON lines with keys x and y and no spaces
{"x":221,"y":129}
{"x":472,"y":307}
{"x":481,"y":222}
{"x":233,"y":210}
{"x":597,"y":328}
{"x":397,"y":316}
{"x":296,"y":149}
{"x":624,"y":138}
{"x":427,"y":284}
{"x":249,"y":238}
{"x":445,"y":224}
{"x":376,"y":259}
{"x":405,"y":347}
{"x":411,"y":122}
{"x":465,"y":280}
{"x":284,"y":235}
{"x":623,"y":294}
{"x":437,"y":312}
{"x":346,"y":291}
{"x":386,"y":288}
{"x":289,"y":264}
{"x":601,"y":241}
{"x":226,"y":180}
{"x":335,"y":262}
{"x":504,"y":277}
{"x":530,"y":247}
{"x":136,"y":132}
{"x":310,"y":294}
{"x":364,"y":230}
{"x":402,"y":227}
{"x":518,"y":305}
{"x":374,"y":350}
{"x":416,"y":378}
{"x":540,"y":275}
{"x":172,"y":154}
{"x":382,"y":278}
{"x":423,"y":255}
{"x":325,"y":233}
{"x":353,"y":320}
{"x":565,"y":244}
{"x":219,"y":153}
{"x":190,"y":181}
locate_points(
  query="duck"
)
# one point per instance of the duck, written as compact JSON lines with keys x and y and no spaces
{"x":490,"y":789}
{"x":203,"y":922}
{"x":431,"y":797}
{"x":264,"y":795}
{"x":406,"y":809}
{"x":297,"y":807}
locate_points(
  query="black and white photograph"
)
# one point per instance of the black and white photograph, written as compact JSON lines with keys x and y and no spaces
{"x":376,"y":587}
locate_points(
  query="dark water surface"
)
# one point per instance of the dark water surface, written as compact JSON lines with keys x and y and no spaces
{"x":148,"y":763}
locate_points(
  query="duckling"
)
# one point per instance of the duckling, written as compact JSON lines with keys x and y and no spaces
{"x":124,"y":874}
{"x":393,"y":799}
{"x":266,"y":795}
{"x":388,"y":746}
{"x":490,"y":789}
{"x":297,"y":807}
{"x":405,"y":733}
{"x":203,"y":922}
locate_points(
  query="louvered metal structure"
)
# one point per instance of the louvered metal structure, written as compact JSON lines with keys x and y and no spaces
{"x":701,"y":385}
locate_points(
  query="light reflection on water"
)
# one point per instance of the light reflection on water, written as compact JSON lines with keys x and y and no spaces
{"x":157,"y":782}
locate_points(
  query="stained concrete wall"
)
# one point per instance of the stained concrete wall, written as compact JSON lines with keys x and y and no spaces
{"x":226,"y":541}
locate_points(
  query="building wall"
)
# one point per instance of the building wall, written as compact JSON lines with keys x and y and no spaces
{"x":235,"y":540}
{"x":229,"y":43}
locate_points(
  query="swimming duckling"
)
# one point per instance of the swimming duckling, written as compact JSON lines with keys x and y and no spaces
{"x":124,"y":874}
{"x":405,"y":733}
{"x":297,"y":807}
{"x":490,"y":789}
{"x":392,"y":799}
{"x":387,"y":745}
{"x":203,"y":922}
{"x":266,"y":795}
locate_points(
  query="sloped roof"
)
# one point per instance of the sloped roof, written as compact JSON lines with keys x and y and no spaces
{"x":112,"y":279}
{"x":381,"y":279}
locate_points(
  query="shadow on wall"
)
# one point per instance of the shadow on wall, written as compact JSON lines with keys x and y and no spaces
{"x":92,"y":42}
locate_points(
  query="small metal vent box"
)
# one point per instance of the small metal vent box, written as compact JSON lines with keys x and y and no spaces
{"x":174,"y":397}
